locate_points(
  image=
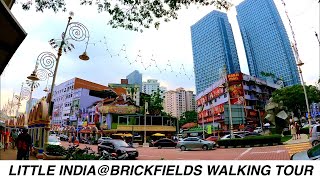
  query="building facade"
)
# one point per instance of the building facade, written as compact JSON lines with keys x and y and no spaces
{"x":178,"y":102}
{"x":248,"y":97}
{"x":213,"y":47}
{"x":135,"y":78}
{"x":132,"y":90}
{"x":150,"y":86}
{"x":64,"y":95}
{"x":266,"y":42}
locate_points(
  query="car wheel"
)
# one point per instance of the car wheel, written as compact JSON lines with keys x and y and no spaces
{"x":315,"y":143}
{"x":205,"y":147}
{"x":183,"y":148}
{"x":159,"y":147}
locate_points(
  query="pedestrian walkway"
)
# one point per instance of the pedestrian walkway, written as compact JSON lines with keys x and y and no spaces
{"x":11,"y":154}
{"x":295,"y":148}
{"x":304,"y":138}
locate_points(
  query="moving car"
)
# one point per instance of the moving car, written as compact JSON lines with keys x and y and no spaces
{"x":165,"y":142}
{"x":53,"y":140}
{"x":119,"y":147}
{"x":315,"y":135}
{"x":194,"y":143}
{"x":63,"y":137}
{"x":103,"y":139}
{"x":311,"y":154}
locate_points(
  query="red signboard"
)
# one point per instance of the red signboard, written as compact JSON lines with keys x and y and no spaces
{"x":235,"y":77}
{"x":236,"y":93}
{"x":216,"y":92}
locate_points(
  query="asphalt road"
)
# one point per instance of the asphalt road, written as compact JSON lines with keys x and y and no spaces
{"x":253,"y":153}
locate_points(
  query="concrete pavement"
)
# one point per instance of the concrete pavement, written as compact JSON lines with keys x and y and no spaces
{"x":304,"y":139}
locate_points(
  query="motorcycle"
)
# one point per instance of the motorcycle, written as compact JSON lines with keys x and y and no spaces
{"x":113,"y":156}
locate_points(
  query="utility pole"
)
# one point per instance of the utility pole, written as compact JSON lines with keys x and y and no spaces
{"x":145,"y":144}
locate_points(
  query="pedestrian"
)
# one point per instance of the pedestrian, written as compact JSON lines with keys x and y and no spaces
{"x":298,"y":130}
{"x":24,"y":145}
{"x":293,"y":131}
{"x":6,"y":139}
{"x":14,"y":135}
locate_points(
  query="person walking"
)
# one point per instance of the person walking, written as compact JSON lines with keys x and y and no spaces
{"x":298,"y":130}
{"x":24,"y":145}
{"x":6,"y":139}
{"x":14,"y":135}
{"x":293,"y":131}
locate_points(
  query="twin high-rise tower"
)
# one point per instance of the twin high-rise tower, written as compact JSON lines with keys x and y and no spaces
{"x":266,"y":43}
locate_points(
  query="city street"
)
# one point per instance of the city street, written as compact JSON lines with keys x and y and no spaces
{"x":282,"y":152}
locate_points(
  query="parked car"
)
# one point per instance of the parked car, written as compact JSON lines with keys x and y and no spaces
{"x":53,"y":140}
{"x":103,"y":139}
{"x":194,"y":143}
{"x":258,"y":130}
{"x":213,"y":138}
{"x":311,"y":154}
{"x":165,"y":142}
{"x":251,"y":134}
{"x":63,"y":137}
{"x":228,"y":136}
{"x":315,"y":135}
{"x":119,"y":147}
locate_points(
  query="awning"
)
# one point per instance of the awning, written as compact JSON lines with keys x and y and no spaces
{"x":189,"y":125}
{"x":122,"y":135}
{"x":12,"y":35}
{"x":158,"y":134}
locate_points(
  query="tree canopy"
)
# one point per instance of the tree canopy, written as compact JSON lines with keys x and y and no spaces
{"x":155,"y":102}
{"x":131,"y":14}
{"x":293,"y":97}
{"x":188,"y":117}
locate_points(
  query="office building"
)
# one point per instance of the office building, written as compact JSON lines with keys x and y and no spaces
{"x":135,"y":78}
{"x":179,"y":101}
{"x":213,"y":47}
{"x":266,"y":42}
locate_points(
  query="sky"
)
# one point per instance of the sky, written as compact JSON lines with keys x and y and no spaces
{"x":154,"y":50}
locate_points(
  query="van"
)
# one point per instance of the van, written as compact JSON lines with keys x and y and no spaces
{"x":315,"y":135}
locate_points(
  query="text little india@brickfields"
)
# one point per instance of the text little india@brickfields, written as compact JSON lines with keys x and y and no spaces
{"x":160,"y":170}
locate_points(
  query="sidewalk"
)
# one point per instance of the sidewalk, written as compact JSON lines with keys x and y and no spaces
{"x":304,"y":138}
{"x":11,"y":154}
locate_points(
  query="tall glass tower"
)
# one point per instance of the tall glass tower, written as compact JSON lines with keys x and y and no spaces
{"x":266,"y":41}
{"x":213,"y":47}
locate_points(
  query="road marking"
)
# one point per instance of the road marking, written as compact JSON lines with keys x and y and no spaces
{"x":278,"y":151}
{"x":295,"y":148}
{"x":245,"y":152}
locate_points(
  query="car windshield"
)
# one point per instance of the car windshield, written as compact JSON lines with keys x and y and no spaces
{"x":53,"y":139}
{"x":121,"y":144}
{"x":314,"y":151}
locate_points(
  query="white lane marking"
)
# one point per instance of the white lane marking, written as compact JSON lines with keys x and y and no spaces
{"x":278,"y":151}
{"x":245,"y":152}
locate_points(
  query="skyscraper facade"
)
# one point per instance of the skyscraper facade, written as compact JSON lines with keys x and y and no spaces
{"x":266,"y":41}
{"x":213,"y":47}
{"x":135,"y":78}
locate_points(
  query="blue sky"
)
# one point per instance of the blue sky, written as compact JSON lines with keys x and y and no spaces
{"x":171,"y":42}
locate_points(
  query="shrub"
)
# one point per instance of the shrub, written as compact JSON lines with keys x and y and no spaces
{"x":251,"y":141}
{"x":286,"y":133}
{"x":55,"y":150}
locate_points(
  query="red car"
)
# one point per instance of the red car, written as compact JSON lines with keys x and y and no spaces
{"x":213,"y":138}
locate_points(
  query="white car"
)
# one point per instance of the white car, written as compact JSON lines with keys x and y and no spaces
{"x":100,"y":140}
{"x":53,"y":140}
{"x":228,"y":136}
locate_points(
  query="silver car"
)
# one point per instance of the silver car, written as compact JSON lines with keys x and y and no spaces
{"x":315,"y":135}
{"x":195,"y":143}
{"x":100,"y":140}
{"x":311,"y":154}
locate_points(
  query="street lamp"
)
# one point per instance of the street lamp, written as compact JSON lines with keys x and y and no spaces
{"x":226,"y":85}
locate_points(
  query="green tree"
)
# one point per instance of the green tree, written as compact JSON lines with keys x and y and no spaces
{"x":293,"y":97}
{"x":155,"y":102}
{"x":130,"y":14}
{"x":188,"y":117}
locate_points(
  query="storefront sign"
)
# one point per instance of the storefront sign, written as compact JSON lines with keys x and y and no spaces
{"x":235,"y":77}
